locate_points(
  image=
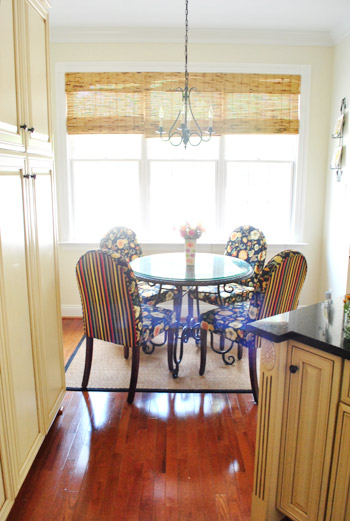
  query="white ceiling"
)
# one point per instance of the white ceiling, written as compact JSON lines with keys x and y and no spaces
{"x":323,"y":21}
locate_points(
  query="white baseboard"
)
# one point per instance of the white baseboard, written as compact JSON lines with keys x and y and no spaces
{"x":71,"y":311}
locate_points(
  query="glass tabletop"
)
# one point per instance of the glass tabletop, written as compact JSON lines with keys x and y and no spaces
{"x":209,"y":268}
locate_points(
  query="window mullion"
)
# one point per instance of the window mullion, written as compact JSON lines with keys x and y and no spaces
{"x":220,"y":187}
{"x":144,"y":177}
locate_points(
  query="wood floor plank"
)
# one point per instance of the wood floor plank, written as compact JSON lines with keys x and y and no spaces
{"x":167,"y":457}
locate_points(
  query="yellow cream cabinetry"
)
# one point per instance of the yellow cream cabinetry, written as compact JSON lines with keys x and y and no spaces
{"x":311,"y":400}
{"x":32,"y":382}
{"x":338,"y":507}
{"x":298,"y":403}
{"x":25,"y":110}
{"x":31,"y":357}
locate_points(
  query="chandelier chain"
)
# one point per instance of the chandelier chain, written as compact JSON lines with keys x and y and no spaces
{"x":186,"y":43}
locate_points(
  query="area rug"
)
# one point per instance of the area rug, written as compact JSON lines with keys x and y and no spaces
{"x":111,"y":372}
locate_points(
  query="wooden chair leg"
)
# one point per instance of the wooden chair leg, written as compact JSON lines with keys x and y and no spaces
{"x":170,"y":349}
{"x":135,"y":362}
{"x":253,"y":375}
{"x":204,"y":334}
{"x":126,"y":352}
{"x":88,"y":360}
{"x":239,"y":351}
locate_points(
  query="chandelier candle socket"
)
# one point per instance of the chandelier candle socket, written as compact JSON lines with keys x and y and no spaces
{"x":191,"y":234}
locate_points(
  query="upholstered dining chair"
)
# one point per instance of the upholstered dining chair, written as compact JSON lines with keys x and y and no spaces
{"x":113,"y":311}
{"x":123,"y":240}
{"x":277,"y":291}
{"x":246,"y":243}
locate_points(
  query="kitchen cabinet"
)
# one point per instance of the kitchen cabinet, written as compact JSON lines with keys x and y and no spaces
{"x":25,"y":109}
{"x":32,"y":381}
{"x":302,"y":460}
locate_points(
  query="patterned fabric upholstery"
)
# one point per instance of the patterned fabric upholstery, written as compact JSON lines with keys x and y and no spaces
{"x":246,"y":243}
{"x":112,"y":308}
{"x":123,"y":241}
{"x":277,"y":291}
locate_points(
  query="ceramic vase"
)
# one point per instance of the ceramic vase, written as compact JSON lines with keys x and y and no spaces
{"x":190,"y":251}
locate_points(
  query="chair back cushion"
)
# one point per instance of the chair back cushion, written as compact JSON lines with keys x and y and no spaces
{"x":110,"y":300}
{"x":123,"y":241}
{"x":249,"y":244}
{"x":279,"y":284}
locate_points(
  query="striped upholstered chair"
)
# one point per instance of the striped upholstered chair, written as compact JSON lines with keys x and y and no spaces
{"x":112,"y":310}
{"x":246,"y":243}
{"x":124,"y":241}
{"x":277,"y":291}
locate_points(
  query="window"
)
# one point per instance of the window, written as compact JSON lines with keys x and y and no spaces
{"x":153,"y":187}
{"x":250,"y":171}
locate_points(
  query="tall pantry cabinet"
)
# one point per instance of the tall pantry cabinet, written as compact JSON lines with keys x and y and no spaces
{"x":32,"y":382}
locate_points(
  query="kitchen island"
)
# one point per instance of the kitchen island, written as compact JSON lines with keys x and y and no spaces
{"x":302,"y":457}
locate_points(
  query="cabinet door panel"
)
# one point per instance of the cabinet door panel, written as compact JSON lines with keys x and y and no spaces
{"x":339,"y":495}
{"x":311,"y":396}
{"x":11,"y":136}
{"x":16,"y":318}
{"x":49,"y":311}
{"x":37,"y":79}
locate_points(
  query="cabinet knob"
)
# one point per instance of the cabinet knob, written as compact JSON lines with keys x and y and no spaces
{"x":23,"y":126}
{"x":31,"y":129}
{"x":293,"y":368}
{"x":26,"y":176}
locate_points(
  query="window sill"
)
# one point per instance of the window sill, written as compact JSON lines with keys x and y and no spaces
{"x":149,"y":247}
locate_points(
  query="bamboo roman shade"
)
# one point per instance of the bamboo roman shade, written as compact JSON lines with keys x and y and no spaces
{"x":129,"y":102}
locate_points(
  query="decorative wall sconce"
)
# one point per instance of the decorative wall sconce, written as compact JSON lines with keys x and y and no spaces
{"x":338,"y":134}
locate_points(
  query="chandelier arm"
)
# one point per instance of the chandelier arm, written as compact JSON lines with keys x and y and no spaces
{"x":185,"y":133}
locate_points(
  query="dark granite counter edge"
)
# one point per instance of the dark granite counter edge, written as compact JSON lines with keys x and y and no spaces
{"x":292,"y":335}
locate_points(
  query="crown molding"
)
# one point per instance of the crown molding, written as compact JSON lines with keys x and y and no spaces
{"x":200,"y":36}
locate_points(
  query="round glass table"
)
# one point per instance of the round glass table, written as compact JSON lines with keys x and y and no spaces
{"x":170,"y":268}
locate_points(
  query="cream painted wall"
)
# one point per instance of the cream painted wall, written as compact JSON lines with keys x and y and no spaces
{"x":335,"y":267}
{"x":320,"y":60}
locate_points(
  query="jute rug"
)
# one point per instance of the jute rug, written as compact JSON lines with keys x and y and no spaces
{"x":110,"y":371}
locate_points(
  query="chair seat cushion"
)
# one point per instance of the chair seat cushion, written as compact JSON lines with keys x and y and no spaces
{"x":155,"y":321}
{"x":151,"y":295}
{"x":209,"y":294}
{"x":231,"y":321}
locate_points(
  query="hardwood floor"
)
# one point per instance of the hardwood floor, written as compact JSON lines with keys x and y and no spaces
{"x":166,"y":457}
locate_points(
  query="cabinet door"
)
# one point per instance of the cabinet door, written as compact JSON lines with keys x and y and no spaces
{"x":15,"y":323}
{"x":37,"y":81}
{"x":48,"y":309}
{"x":339,"y":495}
{"x":11,"y":136}
{"x":312,"y":393}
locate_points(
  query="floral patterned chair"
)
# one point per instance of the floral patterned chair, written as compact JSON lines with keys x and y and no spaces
{"x":246,"y":243}
{"x":123,"y":241}
{"x":277,"y":291}
{"x":113,"y":311}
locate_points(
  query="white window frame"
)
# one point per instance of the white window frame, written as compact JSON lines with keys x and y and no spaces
{"x":65,"y":210}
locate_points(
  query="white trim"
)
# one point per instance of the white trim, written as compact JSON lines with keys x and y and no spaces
{"x":61,"y":143}
{"x":71,"y":311}
{"x":198,"y":36}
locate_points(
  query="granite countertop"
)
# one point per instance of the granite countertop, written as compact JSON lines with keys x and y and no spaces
{"x":319,"y":325}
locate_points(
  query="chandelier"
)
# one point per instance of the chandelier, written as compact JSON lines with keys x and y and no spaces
{"x":185,"y":128}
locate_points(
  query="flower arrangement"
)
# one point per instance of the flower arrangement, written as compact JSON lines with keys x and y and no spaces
{"x":347,"y":303}
{"x":191,"y":232}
